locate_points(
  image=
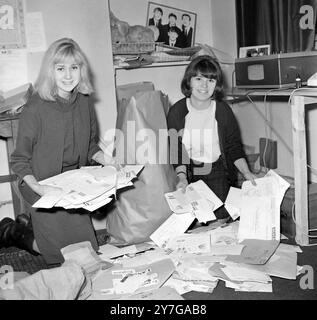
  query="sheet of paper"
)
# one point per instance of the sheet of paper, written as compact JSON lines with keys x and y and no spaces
{"x":109,"y":284}
{"x":35,"y":34}
{"x":240,"y":273}
{"x":164,"y":293}
{"x":258,"y":219}
{"x":189,"y":243}
{"x":88,"y":187}
{"x":83,"y":254}
{"x":224,"y":250}
{"x":175,"y":225}
{"x":234,"y":202}
{"x":49,"y":200}
{"x":250,"y":286}
{"x":111,"y":251}
{"x":282,"y":264}
{"x":198,"y":198}
{"x":183,"y":286}
{"x":283,"y":185}
{"x":255,"y":251}
{"x":260,"y":208}
{"x":13,"y":69}
{"x":225,"y":235}
{"x":192,"y":270}
{"x":180,"y":286}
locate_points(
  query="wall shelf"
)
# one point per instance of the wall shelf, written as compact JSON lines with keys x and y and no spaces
{"x":156,"y":65}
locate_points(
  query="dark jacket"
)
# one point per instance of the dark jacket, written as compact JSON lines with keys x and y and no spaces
{"x":228,"y":132}
{"x":187,"y":39}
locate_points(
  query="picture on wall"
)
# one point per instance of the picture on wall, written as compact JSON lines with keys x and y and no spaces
{"x":177,"y":27}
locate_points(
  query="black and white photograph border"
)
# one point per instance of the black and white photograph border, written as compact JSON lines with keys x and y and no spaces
{"x":254,"y":51}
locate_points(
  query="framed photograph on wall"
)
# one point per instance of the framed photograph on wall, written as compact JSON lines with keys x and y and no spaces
{"x":177,"y":27}
{"x":254,"y":51}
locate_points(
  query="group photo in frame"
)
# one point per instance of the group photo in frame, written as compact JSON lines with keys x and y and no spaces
{"x":254,"y":51}
{"x":177,"y":27}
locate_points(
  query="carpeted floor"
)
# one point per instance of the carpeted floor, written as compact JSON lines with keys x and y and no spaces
{"x":23,"y":261}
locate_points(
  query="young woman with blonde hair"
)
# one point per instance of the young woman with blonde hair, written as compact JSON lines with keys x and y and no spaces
{"x":57,"y":132}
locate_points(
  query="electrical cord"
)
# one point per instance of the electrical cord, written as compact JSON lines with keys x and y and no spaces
{"x":267,"y":122}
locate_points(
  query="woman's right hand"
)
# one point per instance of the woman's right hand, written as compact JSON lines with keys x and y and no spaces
{"x":40,"y":189}
{"x":182,"y":182}
{"x":48,"y":190}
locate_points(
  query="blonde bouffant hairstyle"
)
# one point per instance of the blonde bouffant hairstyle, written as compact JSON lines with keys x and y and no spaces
{"x":59,"y":52}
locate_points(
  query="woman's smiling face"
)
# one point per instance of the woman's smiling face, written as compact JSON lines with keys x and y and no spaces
{"x":67,"y":77}
{"x":202,"y":88}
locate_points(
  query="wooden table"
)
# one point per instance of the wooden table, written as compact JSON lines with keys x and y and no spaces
{"x":299,"y":99}
{"x":8,"y":131}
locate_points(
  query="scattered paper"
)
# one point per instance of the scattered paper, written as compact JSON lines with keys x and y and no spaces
{"x":234,"y":202}
{"x":163,"y":293}
{"x":224,"y":250}
{"x":198,"y":199}
{"x":282,"y":264}
{"x":119,"y":282}
{"x":84,"y":255}
{"x":260,"y":207}
{"x":174,"y":226}
{"x":88,"y":187}
{"x":250,"y":286}
{"x":255,"y":251}
{"x":241,"y":273}
{"x":189,"y":243}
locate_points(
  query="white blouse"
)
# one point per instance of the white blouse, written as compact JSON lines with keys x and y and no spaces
{"x":200,"y":136}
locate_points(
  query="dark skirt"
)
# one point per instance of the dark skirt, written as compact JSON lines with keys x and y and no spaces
{"x":57,"y":228}
{"x":215,"y":176}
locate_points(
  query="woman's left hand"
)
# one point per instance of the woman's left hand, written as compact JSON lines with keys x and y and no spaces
{"x":251,"y":177}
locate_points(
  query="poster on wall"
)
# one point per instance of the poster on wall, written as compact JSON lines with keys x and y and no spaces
{"x":12,"y":24}
{"x":177,"y":27}
{"x":13,"y":69}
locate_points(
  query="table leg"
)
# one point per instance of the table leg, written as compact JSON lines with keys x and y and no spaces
{"x":300,"y":169}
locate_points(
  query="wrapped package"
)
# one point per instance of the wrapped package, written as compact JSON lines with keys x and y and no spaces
{"x":142,"y":139}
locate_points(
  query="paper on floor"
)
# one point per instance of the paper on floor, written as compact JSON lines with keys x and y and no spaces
{"x":198,"y":199}
{"x":84,"y":255}
{"x":163,"y":293}
{"x":255,"y":251}
{"x":118,"y":281}
{"x":174,"y":226}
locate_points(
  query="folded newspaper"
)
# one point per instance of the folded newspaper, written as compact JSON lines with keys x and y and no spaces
{"x":88,"y":187}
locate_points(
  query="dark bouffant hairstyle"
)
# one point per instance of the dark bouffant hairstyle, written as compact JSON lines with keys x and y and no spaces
{"x":205,"y":66}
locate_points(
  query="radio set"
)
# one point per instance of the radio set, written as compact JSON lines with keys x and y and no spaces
{"x":276,"y":70}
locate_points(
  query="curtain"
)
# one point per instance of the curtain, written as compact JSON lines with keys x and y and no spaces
{"x":287,"y":25}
